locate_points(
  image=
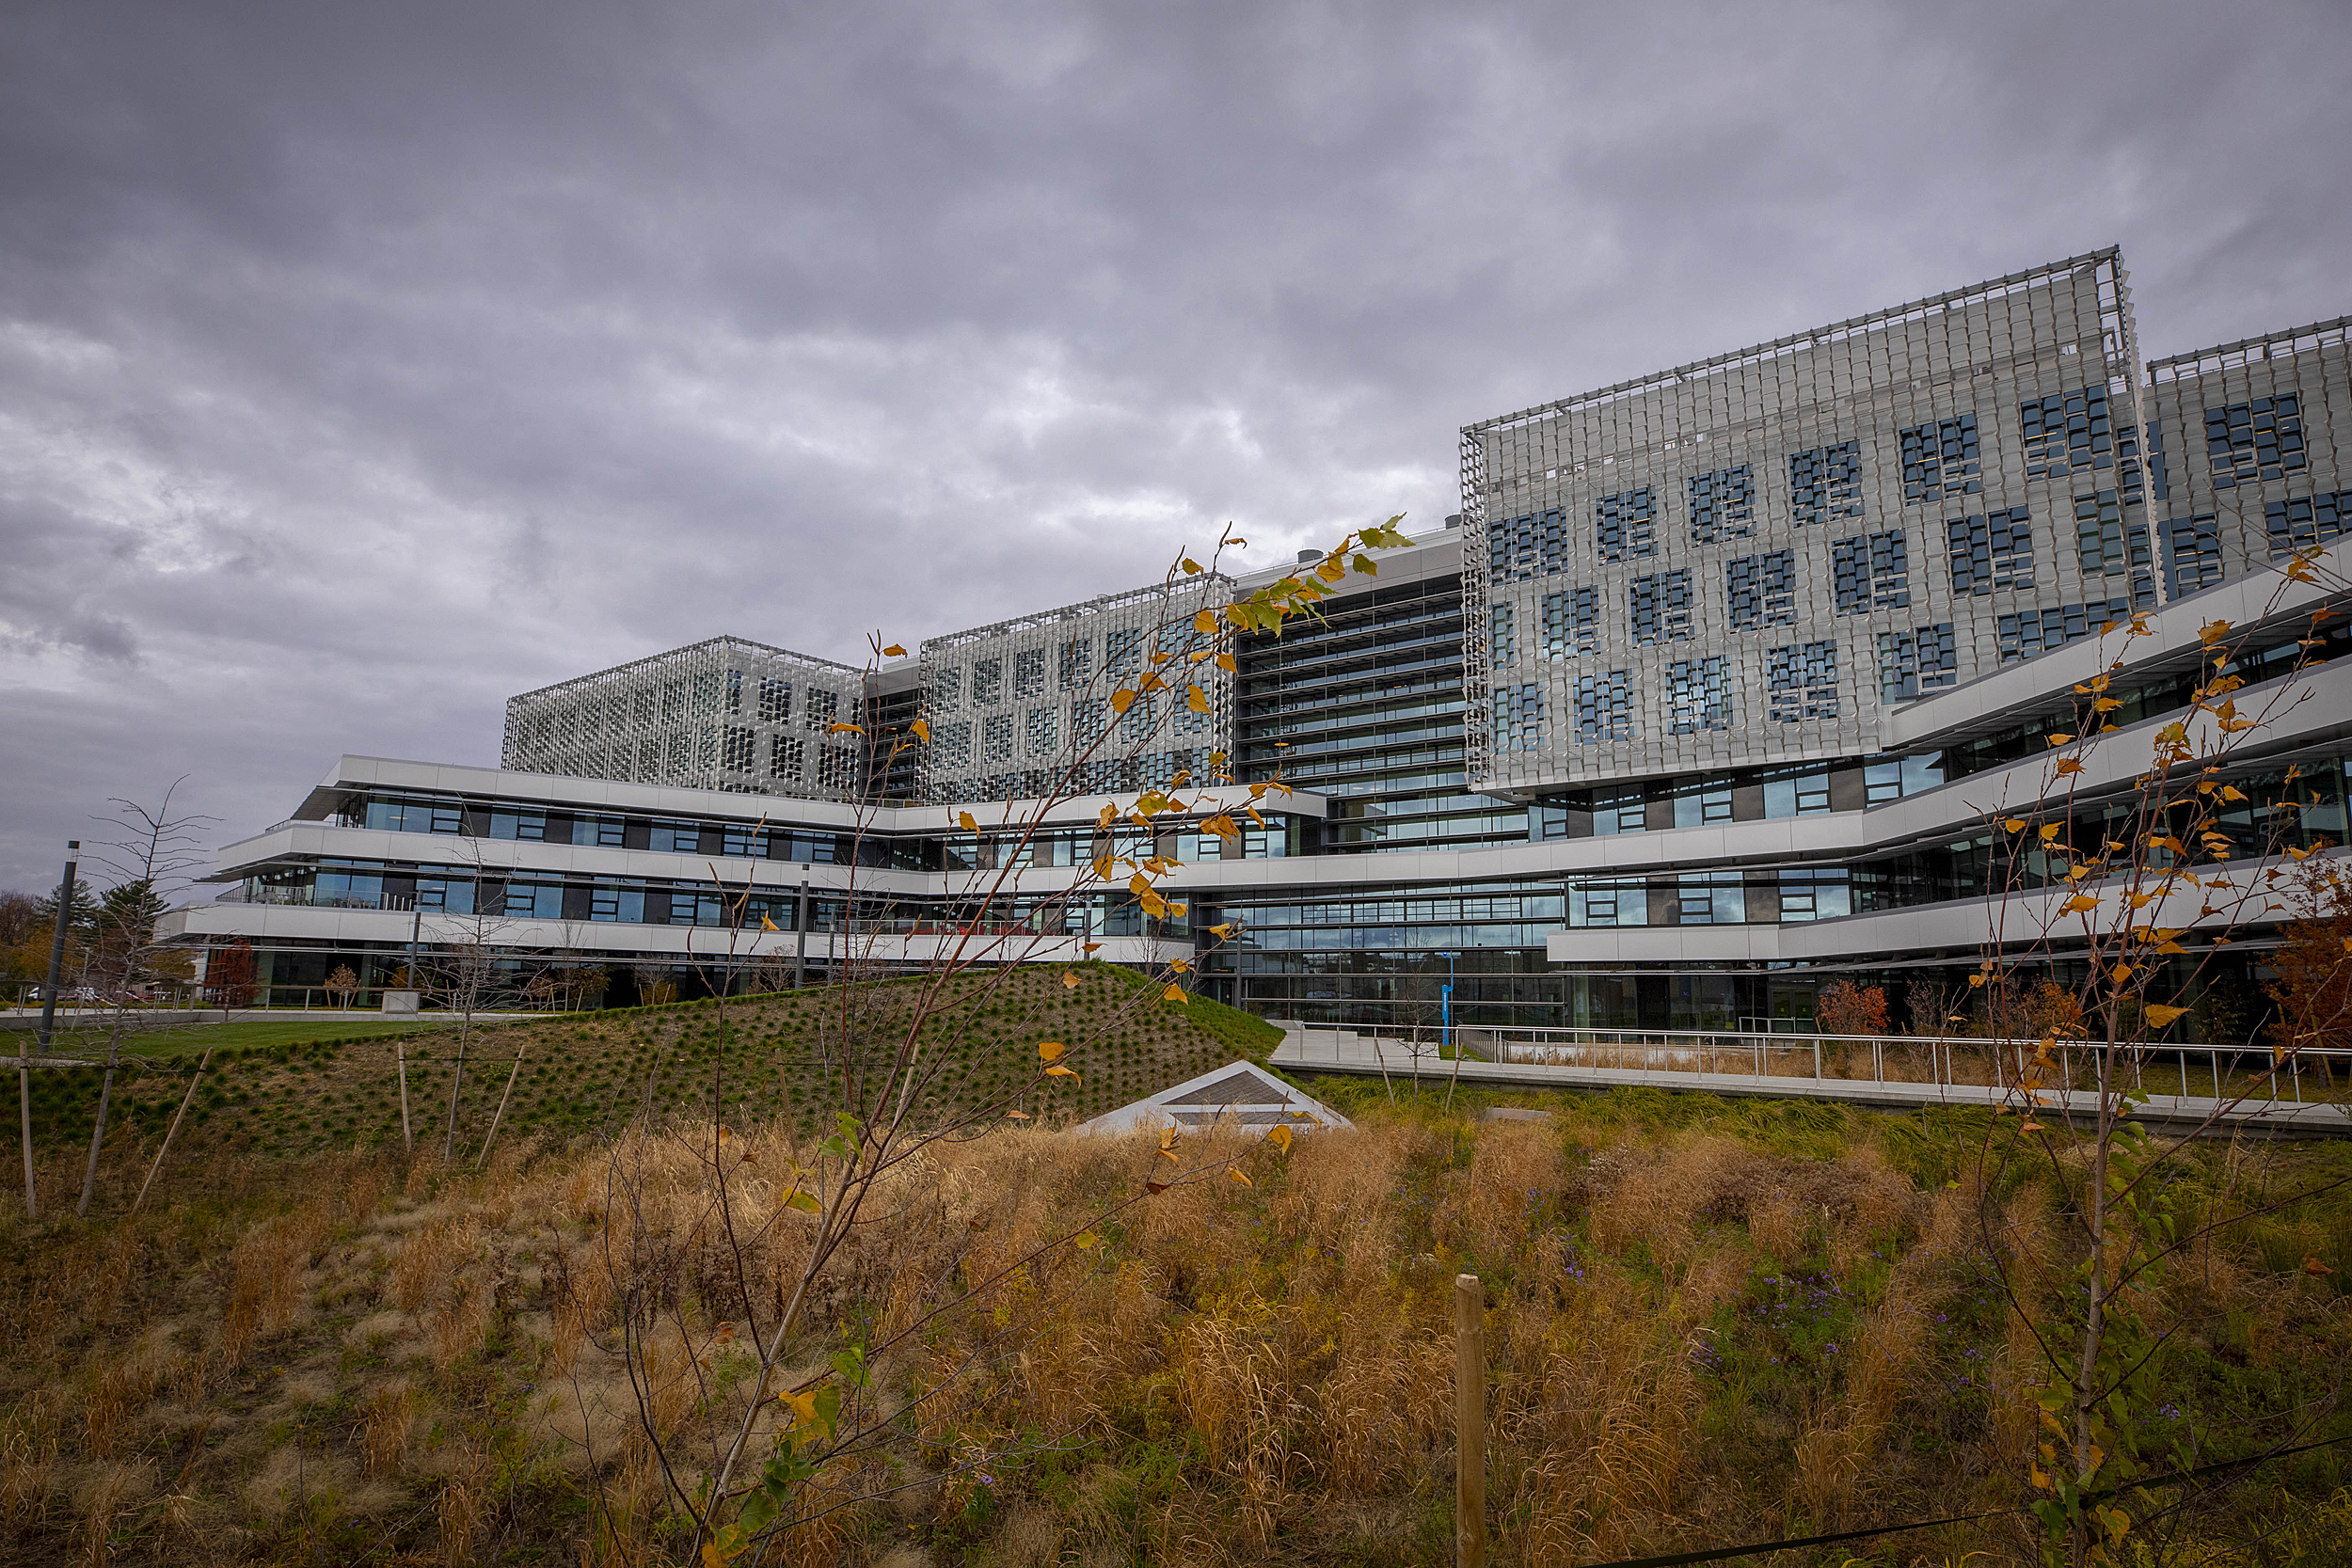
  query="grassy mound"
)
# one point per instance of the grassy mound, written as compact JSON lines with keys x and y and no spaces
{"x":590,"y":1073}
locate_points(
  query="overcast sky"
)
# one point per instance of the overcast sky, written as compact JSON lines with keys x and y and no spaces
{"x":362,"y":366}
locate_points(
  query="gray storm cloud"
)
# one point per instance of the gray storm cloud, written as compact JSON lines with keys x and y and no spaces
{"x":359,"y":367}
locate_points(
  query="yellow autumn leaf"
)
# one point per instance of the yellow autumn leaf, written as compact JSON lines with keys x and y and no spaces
{"x":1279,"y":1136}
{"x":1070,"y":981}
{"x":922,"y":731}
{"x":2068,"y":766}
{"x":1121,"y":700}
{"x":1196,"y":698}
{"x":963,"y":821}
{"x":1205,"y":623}
{"x":893,"y":651}
{"x":1172,"y":993}
{"x":1057,"y":1070}
{"x":2120,"y":973}
{"x":1050,"y":1050}
{"x":2080,"y":904}
{"x":1084,"y":1240}
{"x":2049,"y":831}
{"x":1235,"y":1171}
{"x":1225,"y":662}
{"x":2014,"y":824}
{"x":844,"y":729}
{"x":1976,"y":980}
{"x":2056,"y":739}
{"x":2160,"y":1016}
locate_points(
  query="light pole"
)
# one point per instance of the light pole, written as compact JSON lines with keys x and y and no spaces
{"x":1445,"y":1004}
{"x":799,"y":929}
{"x":56,"y":943}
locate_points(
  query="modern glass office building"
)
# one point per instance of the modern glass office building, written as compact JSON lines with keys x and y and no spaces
{"x":1702,"y":700}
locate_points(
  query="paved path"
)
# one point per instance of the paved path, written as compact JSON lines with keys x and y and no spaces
{"x":1322,"y":1052}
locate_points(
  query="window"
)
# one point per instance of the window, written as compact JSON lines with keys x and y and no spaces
{"x":446,"y":894}
{"x":784,"y":756}
{"x":1518,"y":712}
{"x":2066,"y":433}
{"x":775,"y":701}
{"x":1075,"y":664}
{"x":1087,"y":720}
{"x":1814,"y":896}
{"x":820,"y":710}
{"x":1825,"y":483}
{"x":1892,"y":778}
{"x":1122,"y":652}
{"x":1028,"y":672}
{"x":2192,"y":554}
{"x":1604,"y":707}
{"x":2108,"y":545}
{"x":1623,"y":812}
{"x":1698,"y":804}
{"x":1661,"y":606}
{"x":946,"y":690}
{"x":1723,"y":504}
{"x":1695,"y":696}
{"x":1796,"y":794}
{"x":1041,"y":729}
{"x":412,"y":817}
{"x":1926,"y":658}
{"x":988,"y":682}
{"x":742,"y":841}
{"x":604,"y":832}
{"x":2038,"y":631}
{"x":1802,"y":682}
{"x":996,"y":737}
{"x":1710,"y":898}
{"x":735,"y":749}
{"x":1522,"y":548}
{"x":1870,"y":573}
{"x":1760,"y":590}
{"x":734,"y":691}
{"x":1625,"y":523}
{"x":836,"y":769}
{"x":1571,"y":623}
{"x":534,"y":901}
{"x":624,"y":904}
{"x":1607,"y":904}
{"x":2299,"y":525}
{"x":1991,"y":551}
{"x":1503,"y":635}
{"x":1940,"y":459}
{"x":2251,"y":441}
{"x":676,"y":838}
{"x":528,"y":825}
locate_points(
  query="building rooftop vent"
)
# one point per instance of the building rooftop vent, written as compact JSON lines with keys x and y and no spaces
{"x":1306,"y":556}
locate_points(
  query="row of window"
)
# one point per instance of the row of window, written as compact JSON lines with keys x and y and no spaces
{"x":1801,"y":683}
{"x":2063,"y":434}
{"x":1069,"y":665}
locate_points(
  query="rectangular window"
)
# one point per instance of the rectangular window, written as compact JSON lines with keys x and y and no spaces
{"x":448,"y":895}
{"x":412,"y":817}
{"x":1723,"y":504}
{"x":996,"y":737}
{"x":735,"y":749}
{"x":1660,"y":607}
{"x":1626,"y":524}
{"x":1074,"y":663}
{"x":529,"y":827}
{"x":775,"y":702}
{"x":1040,"y":731}
{"x":1028,"y":672}
{"x":2249,"y":442}
{"x":951,"y":744}
{"x":1814,"y":896}
{"x":1122,"y":652}
{"x":1825,"y":483}
{"x":1518,"y":715}
{"x":1801,"y":682}
{"x":1710,"y":898}
{"x":1697,"y":805}
{"x":1871,"y":572}
{"x":2299,"y":525}
{"x":1940,"y":459}
{"x":1624,"y":811}
{"x":2108,"y":544}
{"x":534,"y":901}
{"x":988,"y":682}
{"x":1572,"y":622}
{"x":2038,"y":631}
{"x":1502,"y":635}
{"x":1604,"y":707}
{"x":676,"y":838}
{"x":734,"y":691}
{"x":2192,"y":554}
{"x":1991,"y":551}
{"x":1535,"y":545}
{"x":1912,"y":663}
{"x":1760,"y":590}
{"x":1088,"y":721}
{"x":946,"y":690}
{"x":1696,"y":697}
{"x":785,"y":757}
{"x":2066,"y":433}
{"x":1607,"y":904}
{"x":1796,"y":794}
{"x":820,"y":710}
{"x":604,"y":832}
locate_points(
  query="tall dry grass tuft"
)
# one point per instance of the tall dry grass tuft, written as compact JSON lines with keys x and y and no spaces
{"x":428,"y":1258}
{"x":269,"y":1262}
{"x":460,"y":1320}
{"x":102,"y":1502}
{"x":458,"y":1514}
{"x":28,"y":1457}
{"x":1847,"y":1432}
{"x":384,"y":1429}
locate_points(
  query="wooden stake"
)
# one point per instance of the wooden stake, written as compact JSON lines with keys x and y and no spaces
{"x":1470,"y":1421}
{"x":408,"y":1139}
{"x":511,"y":1074}
{"x":169,"y":1132}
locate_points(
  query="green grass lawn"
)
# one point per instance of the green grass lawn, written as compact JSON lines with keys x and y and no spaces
{"x":193,"y":1039}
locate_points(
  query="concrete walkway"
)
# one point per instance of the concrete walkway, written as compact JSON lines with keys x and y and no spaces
{"x":1328,"y":1051}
